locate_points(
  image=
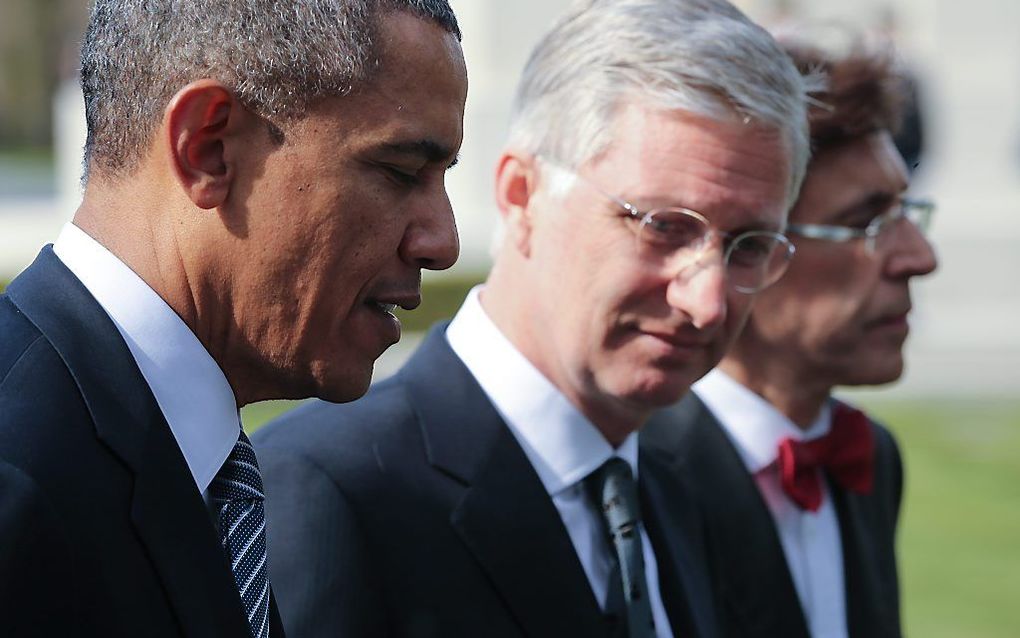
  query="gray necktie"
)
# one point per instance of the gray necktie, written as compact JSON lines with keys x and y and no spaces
{"x":614,"y":491}
{"x":237,"y":494}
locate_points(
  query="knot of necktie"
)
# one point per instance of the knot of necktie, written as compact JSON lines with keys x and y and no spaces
{"x":239,"y":478}
{"x":846,"y":453}
{"x":616,"y":493}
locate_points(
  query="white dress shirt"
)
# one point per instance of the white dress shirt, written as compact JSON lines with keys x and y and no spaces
{"x":562,"y":444}
{"x":811,"y":540}
{"x":189,"y":386}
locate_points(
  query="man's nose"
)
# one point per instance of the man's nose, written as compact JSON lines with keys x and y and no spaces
{"x":912,"y":254}
{"x":431,"y":240}
{"x":699,"y":291}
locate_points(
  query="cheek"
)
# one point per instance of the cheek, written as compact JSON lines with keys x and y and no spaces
{"x":818,"y":295}
{"x":799,"y":317}
{"x":623,"y":296}
{"x":581,"y":271}
{"x":738,"y":309}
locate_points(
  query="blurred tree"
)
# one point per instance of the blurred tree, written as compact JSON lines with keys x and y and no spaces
{"x":38,"y":49}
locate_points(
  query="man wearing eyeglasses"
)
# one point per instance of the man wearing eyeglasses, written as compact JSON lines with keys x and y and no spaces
{"x":494,"y":486}
{"x":801,"y":492}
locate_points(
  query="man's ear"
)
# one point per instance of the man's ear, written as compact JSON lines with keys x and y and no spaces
{"x":200,"y":121}
{"x":516,"y":181}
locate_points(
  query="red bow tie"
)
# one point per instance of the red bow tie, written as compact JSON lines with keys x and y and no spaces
{"x":847,"y":452}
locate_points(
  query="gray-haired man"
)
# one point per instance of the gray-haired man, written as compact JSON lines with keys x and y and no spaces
{"x":488,"y":489}
{"x":264,"y":184}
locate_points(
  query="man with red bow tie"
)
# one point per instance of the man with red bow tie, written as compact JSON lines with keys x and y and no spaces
{"x":801,"y":493}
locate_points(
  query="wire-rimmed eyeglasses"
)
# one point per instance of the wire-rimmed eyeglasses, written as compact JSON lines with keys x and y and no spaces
{"x":879,"y":233}
{"x":753,"y":260}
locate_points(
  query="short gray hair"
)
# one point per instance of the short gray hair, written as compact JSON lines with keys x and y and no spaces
{"x":277,"y":56}
{"x":700,"y":56}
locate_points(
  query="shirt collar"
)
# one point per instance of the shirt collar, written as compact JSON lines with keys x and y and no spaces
{"x":191,"y":390}
{"x":562,"y":444}
{"x":754,"y":425}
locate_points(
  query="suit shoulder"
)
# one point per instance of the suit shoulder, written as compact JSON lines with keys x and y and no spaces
{"x":887,"y":450}
{"x":884,"y":438}
{"x":30,"y":368}
{"x":19,"y":336}
{"x":888,"y":460}
{"x":40,"y":404}
{"x":685,"y":429}
{"x":333,"y":433}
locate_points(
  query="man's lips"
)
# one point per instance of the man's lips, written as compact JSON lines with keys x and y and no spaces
{"x":893,"y":319}
{"x":677,"y":340}
{"x":389,"y":302}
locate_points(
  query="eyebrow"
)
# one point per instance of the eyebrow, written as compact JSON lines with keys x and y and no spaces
{"x":431,"y":150}
{"x":868,"y":205}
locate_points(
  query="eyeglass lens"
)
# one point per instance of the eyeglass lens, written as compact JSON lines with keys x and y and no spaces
{"x":891,"y":226}
{"x":753,"y":260}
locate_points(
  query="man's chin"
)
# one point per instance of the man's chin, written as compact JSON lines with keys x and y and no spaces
{"x":659,"y":393}
{"x":345,"y":387}
{"x":874,"y":374}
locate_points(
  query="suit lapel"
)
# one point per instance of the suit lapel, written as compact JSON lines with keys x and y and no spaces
{"x":512,"y":527}
{"x":176,"y":528}
{"x":872,"y":602}
{"x":865,"y":610}
{"x":275,"y":622}
{"x":505,"y":518}
{"x":753,"y":583}
{"x":674,"y":528}
{"x":167,"y":510}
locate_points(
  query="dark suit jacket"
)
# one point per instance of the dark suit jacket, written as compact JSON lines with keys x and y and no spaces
{"x":748,"y":567}
{"x":414,"y":513}
{"x":102,"y":530}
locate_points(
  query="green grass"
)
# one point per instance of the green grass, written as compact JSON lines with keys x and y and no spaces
{"x":28,"y":156}
{"x":256,"y":415}
{"x":959,"y":542}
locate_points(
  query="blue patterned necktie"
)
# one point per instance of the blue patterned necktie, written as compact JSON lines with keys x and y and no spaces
{"x":236,"y":493}
{"x":614,"y":491}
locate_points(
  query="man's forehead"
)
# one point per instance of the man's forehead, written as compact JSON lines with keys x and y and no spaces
{"x":725,"y":169}
{"x":839,"y":179}
{"x":645,"y":129}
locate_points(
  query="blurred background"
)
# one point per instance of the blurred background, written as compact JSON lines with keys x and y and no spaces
{"x":956,"y":411}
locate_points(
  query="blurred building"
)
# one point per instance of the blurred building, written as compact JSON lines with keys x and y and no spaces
{"x":966,"y":59}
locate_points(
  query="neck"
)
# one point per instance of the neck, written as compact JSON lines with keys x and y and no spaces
{"x":800,"y":400}
{"x":507,"y":304}
{"x":148,"y":230}
{"x":140,"y":230}
{"x":614,"y":422}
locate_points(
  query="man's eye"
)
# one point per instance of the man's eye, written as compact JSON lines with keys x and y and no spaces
{"x":402,"y":176}
{"x":867,"y":213}
{"x":861,"y":224}
{"x":751,"y":250}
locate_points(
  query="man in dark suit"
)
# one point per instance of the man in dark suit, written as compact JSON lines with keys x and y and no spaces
{"x":488,"y":488}
{"x":264,"y":184}
{"x":801,"y":493}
